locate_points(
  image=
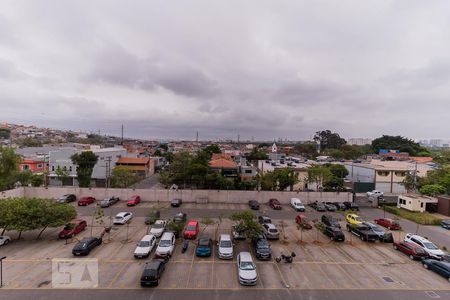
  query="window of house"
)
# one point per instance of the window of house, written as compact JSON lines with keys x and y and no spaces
{"x":421,"y":204}
{"x":65,"y":168}
{"x":382,"y":173}
{"x":70,"y":169}
{"x":53,"y":168}
{"x":248,"y":171}
{"x":39,"y":165}
{"x":400,"y":174}
{"x":26,"y":167}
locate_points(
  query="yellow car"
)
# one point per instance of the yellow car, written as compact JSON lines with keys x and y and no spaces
{"x":353,"y":219}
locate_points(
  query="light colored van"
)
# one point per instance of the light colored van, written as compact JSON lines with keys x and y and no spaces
{"x":297,"y":204}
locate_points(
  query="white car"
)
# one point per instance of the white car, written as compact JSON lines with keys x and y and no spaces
{"x":4,"y":240}
{"x":225,"y":247}
{"x":297,"y":204}
{"x":145,"y":246}
{"x":246,"y":269}
{"x":166,"y":245}
{"x":122,"y":218}
{"x":428,"y":246}
{"x":374,"y":193}
{"x":271,"y":231}
{"x":158,"y":228}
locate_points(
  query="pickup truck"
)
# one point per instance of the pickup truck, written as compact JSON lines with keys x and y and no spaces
{"x":364,"y":232}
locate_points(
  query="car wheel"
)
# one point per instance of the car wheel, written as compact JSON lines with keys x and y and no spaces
{"x":425,"y":266}
{"x":395,"y":247}
{"x":411,"y":257}
{"x":6,"y":242}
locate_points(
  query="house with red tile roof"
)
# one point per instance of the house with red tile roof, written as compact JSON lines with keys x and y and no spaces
{"x":142,"y":166}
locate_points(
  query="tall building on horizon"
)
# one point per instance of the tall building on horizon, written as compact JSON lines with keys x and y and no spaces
{"x":359,"y":141}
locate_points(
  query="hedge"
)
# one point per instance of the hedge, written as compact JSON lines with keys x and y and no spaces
{"x":417,"y":217}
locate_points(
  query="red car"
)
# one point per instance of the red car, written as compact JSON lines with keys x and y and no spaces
{"x":192,"y":229}
{"x":134,"y":200}
{"x":412,"y":250}
{"x":388,"y":223}
{"x":303,"y":221}
{"x":73,"y":228}
{"x":275,"y":204}
{"x":86,"y":201}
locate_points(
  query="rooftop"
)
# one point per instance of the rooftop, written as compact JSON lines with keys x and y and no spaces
{"x":133,"y":160}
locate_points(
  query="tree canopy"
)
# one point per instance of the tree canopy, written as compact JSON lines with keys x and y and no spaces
{"x":400,"y":143}
{"x":246,"y":224}
{"x":9,"y":168}
{"x":123,"y":178}
{"x":85,"y":161}
{"x":328,"y":140}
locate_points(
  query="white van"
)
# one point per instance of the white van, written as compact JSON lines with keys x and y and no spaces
{"x":166,"y":245}
{"x":297,"y":204}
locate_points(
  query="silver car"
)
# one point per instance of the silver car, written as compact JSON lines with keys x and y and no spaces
{"x":246,"y":269}
{"x":225,"y":247}
{"x":271,"y":232}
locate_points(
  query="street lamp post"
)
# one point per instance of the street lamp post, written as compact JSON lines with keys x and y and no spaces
{"x":1,"y":270}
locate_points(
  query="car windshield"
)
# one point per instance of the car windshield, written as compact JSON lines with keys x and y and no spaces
{"x":191,"y":228}
{"x":158,"y":226}
{"x":377,"y":229}
{"x":144,"y":244}
{"x":430,"y":245}
{"x":273,"y":230}
{"x":247,"y":266}
{"x":69,"y":226}
{"x":165,"y":243}
{"x":225,"y":244}
{"x":118,"y":218}
{"x":263,"y":245}
{"x":203,"y":242}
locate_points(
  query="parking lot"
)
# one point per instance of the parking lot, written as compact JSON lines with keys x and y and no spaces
{"x":319,"y":264}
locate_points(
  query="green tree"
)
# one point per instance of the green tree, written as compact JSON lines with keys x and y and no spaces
{"x":319,"y":175}
{"x":328,"y":140}
{"x":400,"y":143}
{"x":9,"y":167}
{"x":256,"y":154}
{"x":24,"y":177}
{"x":214,"y":148}
{"x":30,"y":142}
{"x":308,"y":150}
{"x":85,"y":161}
{"x":123,"y":178}
{"x":338,"y":170}
{"x":62,"y":174}
{"x":37,"y":180}
{"x":432,"y":189}
{"x":246,"y":224}
{"x":5,"y":133}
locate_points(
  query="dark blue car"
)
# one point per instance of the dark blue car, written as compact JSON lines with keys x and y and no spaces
{"x":204,"y":247}
{"x":440,"y":267}
{"x":445,"y":224}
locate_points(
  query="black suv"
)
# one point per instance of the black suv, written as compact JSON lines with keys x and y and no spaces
{"x":351,"y":206}
{"x":176,"y":202}
{"x":383,"y":236}
{"x":330,"y":221}
{"x":152,"y":272}
{"x":253,"y":204}
{"x":334,"y":233}
{"x":262,"y":248}
{"x":364,"y":232}
{"x":67,"y":198}
{"x":85,"y":246}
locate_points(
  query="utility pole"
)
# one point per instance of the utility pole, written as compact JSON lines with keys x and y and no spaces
{"x":415,"y":178}
{"x":122,"y":136}
{"x":107,"y":167}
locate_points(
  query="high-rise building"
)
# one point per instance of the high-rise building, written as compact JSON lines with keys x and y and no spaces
{"x":359,"y":141}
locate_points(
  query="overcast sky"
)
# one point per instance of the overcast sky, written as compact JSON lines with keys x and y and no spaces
{"x":267,"y":69}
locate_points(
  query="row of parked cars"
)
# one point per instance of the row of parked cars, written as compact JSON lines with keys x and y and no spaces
{"x":298,"y":205}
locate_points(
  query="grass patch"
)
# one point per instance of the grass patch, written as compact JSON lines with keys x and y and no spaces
{"x":417,"y":217}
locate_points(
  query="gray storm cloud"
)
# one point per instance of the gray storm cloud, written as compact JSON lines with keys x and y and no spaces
{"x":260,"y":68}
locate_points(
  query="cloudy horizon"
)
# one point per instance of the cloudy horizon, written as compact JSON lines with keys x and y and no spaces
{"x":259,"y":69}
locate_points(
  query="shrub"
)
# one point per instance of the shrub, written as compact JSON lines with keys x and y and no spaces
{"x":417,"y":217}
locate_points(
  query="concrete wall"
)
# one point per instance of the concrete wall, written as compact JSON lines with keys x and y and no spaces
{"x":19,"y":192}
{"x":212,"y":196}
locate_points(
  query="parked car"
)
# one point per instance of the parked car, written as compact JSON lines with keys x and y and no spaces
{"x":275,"y":204}
{"x":414,"y":251}
{"x":330,"y":207}
{"x":204,"y":247}
{"x":364,"y":232}
{"x":180,"y":217}
{"x":262,"y":248}
{"x":86,"y":201}
{"x":433,"y":251}
{"x":67,"y":198}
{"x":271,"y":231}
{"x":297,"y":204}
{"x":320,"y":207}
{"x":253,"y":204}
{"x":246,"y":269}
{"x":329,"y":220}
{"x":4,"y":240}
{"x":445,"y":224}
{"x":440,"y":267}
{"x":375,"y":193}
{"x":152,"y":217}
{"x":158,"y":228}
{"x":145,"y":246}
{"x":134,"y":200}
{"x":122,"y":218}
{"x":388,"y":223}
{"x":225,"y":247}
{"x":264,"y":219}
{"x":353,"y":219}
{"x":166,"y":245}
{"x":152,"y":273}
{"x":351,"y":206}
{"x":73,"y":228}
{"x":107,"y":202}
{"x":85,"y":246}
{"x":383,"y":236}
{"x":340,"y":206}
{"x":334,"y":233}
{"x":191,"y":230}
{"x":176,"y":202}
{"x":303,"y":222}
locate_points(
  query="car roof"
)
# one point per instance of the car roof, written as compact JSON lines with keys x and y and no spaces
{"x":122,"y":213}
{"x":192,"y":222}
{"x":413,"y":245}
{"x":147,"y":237}
{"x":270,"y":225}
{"x":167,"y":235}
{"x":245,"y":256}
{"x":225,"y":237}
{"x":153,"y":264}
{"x":420,"y":238}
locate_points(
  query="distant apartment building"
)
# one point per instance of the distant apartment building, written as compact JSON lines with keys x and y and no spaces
{"x":436,"y":142}
{"x":359,"y":141}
